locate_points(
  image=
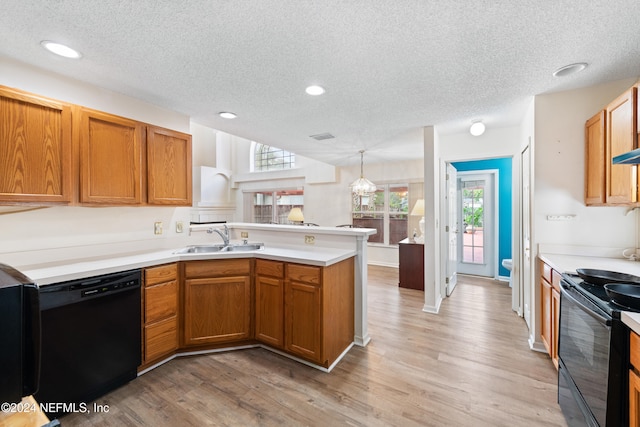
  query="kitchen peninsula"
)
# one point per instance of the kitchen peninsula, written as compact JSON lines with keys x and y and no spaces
{"x":304,"y":250}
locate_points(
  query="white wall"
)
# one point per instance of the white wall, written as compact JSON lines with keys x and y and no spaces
{"x":35,"y":80}
{"x":327,"y":196}
{"x":560,"y":173}
{"x":81,"y":228}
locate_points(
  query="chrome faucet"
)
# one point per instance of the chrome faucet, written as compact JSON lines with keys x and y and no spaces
{"x":224,"y":235}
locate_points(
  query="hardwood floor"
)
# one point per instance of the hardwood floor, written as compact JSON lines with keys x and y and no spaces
{"x":470,"y":365}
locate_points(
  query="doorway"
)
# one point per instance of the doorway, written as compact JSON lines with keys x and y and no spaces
{"x":477,"y":198}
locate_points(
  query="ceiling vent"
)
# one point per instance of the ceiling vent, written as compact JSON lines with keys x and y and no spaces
{"x":322,"y":136}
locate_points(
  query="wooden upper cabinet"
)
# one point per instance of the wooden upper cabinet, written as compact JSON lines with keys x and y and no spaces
{"x":110,"y":159}
{"x":621,"y":122}
{"x":595,"y":153}
{"x":35,"y":149}
{"x":168,"y":167}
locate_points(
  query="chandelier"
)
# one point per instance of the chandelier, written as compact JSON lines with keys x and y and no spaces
{"x":362,"y":186}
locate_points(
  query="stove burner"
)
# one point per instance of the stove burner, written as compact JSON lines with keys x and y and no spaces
{"x":597,"y":295}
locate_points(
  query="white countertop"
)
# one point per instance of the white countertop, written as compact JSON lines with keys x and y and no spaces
{"x":46,"y":274}
{"x":569,"y":264}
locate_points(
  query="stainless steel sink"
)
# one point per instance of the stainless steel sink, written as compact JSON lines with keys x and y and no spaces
{"x":204,"y":249}
{"x":200,"y":249}
{"x":244,"y":247}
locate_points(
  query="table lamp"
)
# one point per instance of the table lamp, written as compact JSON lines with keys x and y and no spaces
{"x":418,"y":210}
{"x":295,"y":216}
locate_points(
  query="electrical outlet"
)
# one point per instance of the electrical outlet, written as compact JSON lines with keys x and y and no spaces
{"x":309,"y":240}
{"x":157,"y":227}
{"x":244,"y":234}
{"x":179,"y":227}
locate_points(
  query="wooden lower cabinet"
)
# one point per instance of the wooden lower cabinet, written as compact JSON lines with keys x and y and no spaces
{"x":549,"y":309}
{"x":160,"y":313}
{"x":304,"y":320}
{"x":217,"y":301}
{"x":319,"y":311}
{"x":634,"y":379}
{"x":270,"y":302}
{"x":305,"y":310}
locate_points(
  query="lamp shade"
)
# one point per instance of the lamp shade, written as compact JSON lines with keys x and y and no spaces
{"x":418,"y":208}
{"x":295,"y":215}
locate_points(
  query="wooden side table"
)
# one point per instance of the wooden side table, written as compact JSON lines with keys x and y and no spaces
{"x":411,"y":265}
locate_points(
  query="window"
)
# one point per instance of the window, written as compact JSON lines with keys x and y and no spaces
{"x":386,"y":210}
{"x":272,"y":207}
{"x":473,"y":217}
{"x":266,"y":158}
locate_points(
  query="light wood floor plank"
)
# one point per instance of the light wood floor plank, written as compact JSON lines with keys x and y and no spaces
{"x":470,"y":365}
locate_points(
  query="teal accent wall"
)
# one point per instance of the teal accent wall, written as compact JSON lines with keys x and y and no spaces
{"x":504,"y":166}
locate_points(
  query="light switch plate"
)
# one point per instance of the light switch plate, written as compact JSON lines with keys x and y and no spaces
{"x":309,"y":240}
{"x":157,"y":227}
{"x":179,"y":227}
{"x":244,"y":234}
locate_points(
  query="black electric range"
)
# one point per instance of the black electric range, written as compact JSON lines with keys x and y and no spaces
{"x":597,"y":295}
{"x":593,"y":356}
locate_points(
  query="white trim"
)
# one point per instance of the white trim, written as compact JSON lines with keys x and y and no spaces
{"x":244,"y":347}
{"x":433,"y":309}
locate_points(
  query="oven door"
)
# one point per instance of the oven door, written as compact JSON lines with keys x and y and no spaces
{"x":583,"y":348}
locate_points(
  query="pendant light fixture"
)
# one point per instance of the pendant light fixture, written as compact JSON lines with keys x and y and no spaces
{"x":362,"y":186}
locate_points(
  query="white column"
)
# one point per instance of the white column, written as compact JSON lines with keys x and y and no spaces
{"x":361,"y":332}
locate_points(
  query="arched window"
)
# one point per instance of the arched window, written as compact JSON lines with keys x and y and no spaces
{"x":267,"y":158}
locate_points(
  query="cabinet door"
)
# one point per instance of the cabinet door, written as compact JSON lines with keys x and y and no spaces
{"x":110,"y":159}
{"x":634,"y":399}
{"x":595,"y":157}
{"x":35,"y":149}
{"x":168,"y":167}
{"x":621,"y":138}
{"x":217,"y":310}
{"x":545,"y":314}
{"x":555,"y":312}
{"x":270,"y":310}
{"x":303,"y":309}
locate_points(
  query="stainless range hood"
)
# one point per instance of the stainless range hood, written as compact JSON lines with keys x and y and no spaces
{"x":630,"y":158}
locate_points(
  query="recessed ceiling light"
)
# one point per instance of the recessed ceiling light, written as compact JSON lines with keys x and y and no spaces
{"x":60,"y":49}
{"x":315,"y":90}
{"x":477,"y":128}
{"x":227,"y":115}
{"x":570,"y":69}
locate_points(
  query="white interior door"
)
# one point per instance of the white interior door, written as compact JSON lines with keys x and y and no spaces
{"x":525,"y":233}
{"x":452,"y":228}
{"x":476,"y":214}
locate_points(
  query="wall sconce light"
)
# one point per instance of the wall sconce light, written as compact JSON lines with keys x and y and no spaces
{"x":477,"y":128}
{"x":295,"y":216}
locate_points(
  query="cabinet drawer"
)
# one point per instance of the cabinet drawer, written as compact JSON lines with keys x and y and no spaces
{"x":163,"y":273}
{"x":216,"y":268}
{"x":303,"y":273}
{"x":161,"y":338}
{"x":555,"y":280}
{"x":161,"y":301}
{"x":269,"y":268}
{"x":545,"y":271}
{"x":634,"y":350}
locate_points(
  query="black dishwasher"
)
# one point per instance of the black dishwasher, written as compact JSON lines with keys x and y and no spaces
{"x":91,"y":339}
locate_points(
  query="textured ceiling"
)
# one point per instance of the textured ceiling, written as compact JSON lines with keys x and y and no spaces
{"x":389,"y":67}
